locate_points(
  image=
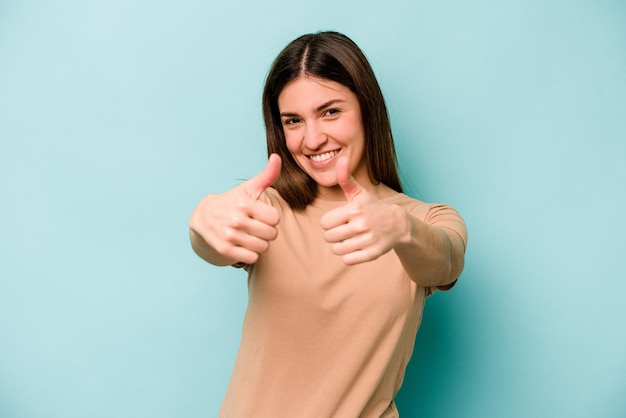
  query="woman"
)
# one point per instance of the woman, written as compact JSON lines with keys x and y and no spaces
{"x":339,"y":261}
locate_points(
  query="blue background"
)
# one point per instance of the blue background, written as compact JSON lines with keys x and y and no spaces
{"x":116,"y":117}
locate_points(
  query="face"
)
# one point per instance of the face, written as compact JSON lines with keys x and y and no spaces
{"x":322,"y":121}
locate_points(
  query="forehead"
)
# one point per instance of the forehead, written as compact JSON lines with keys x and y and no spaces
{"x":305,"y":92}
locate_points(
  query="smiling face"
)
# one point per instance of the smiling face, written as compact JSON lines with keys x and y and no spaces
{"x":321,"y":121}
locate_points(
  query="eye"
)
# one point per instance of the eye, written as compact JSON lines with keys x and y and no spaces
{"x":332,"y":112}
{"x":291,"y":121}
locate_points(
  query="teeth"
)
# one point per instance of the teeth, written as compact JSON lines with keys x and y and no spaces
{"x":323,"y":157}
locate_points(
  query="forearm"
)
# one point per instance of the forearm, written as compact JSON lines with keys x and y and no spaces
{"x":432,"y":256}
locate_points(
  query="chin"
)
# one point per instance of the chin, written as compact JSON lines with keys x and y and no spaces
{"x":325,"y":182}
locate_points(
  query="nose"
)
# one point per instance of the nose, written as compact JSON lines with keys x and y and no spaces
{"x":314,"y":136}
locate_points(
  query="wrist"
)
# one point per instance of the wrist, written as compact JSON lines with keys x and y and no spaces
{"x":402,"y":220}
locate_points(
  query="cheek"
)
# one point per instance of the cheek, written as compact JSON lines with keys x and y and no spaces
{"x":292,"y":142}
{"x":350,"y":131}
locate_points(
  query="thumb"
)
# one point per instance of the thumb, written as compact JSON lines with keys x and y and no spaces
{"x":351,"y":188}
{"x":257,"y":185}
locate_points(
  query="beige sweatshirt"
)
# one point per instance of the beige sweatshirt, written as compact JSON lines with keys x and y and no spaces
{"x":321,"y":339}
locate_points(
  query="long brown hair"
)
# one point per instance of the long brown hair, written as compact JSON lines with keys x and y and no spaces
{"x":335,"y":57}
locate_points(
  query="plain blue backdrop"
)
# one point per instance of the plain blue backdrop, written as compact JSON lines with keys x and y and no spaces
{"x":116,"y":117}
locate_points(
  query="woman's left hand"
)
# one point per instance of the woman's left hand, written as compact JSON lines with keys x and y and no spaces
{"x":364,"y":228}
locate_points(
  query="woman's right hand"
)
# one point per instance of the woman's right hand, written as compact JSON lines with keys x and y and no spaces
{"x":235,"y":227}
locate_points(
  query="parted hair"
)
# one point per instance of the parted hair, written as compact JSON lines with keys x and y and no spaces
{"x":335,"y":57}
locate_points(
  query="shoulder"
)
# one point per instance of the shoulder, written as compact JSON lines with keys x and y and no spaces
{"x":434,"y":214}
{"x":415,"y":207}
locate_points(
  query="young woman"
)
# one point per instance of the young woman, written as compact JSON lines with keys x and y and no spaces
{"x":339,"y":260}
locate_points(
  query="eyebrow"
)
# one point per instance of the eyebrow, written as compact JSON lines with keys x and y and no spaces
{"x":317,"y":110}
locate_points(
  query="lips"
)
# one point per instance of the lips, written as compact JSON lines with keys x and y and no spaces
{"x":325,"y":156}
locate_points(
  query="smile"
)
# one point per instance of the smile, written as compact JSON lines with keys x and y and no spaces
{"x":319,"y":158}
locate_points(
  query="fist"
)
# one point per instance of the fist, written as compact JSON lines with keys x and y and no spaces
{"x":364,"y":228}
{"x":235,"y":225}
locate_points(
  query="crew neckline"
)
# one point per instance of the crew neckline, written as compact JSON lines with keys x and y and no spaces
{"x":322,"y":203}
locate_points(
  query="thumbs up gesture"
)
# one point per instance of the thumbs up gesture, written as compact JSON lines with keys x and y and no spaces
{"x":364,"y":228}
{"x":235,"y":226}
